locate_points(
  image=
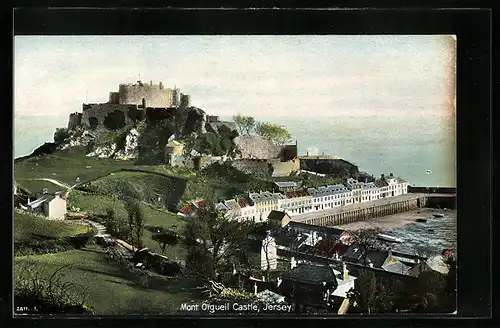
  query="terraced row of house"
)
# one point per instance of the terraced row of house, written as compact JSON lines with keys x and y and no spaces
{"x":294,"y":200}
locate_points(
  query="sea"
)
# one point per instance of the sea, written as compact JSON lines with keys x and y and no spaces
{"x":420,"y":149}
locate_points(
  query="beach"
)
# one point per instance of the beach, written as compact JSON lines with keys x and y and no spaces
{"x":391,"y":221}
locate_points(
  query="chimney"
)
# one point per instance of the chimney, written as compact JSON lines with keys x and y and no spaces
{"x":345,"y":272}
{"x":391,"y":174}
{"x":293,"y":263}
{"x":144,"y":103}
{"x":382,"y":176}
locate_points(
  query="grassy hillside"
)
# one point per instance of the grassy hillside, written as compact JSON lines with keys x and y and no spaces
{"x":26,"y":225}
{"x":98,"y":204}
{"x":111,"y":288}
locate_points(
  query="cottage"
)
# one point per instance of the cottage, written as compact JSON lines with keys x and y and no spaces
{"x":53,"y":206}
{"x":280,"y":217}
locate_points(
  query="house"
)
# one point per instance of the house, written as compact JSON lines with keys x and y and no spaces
{"x":265,"y":202}
{"x":286,"y":185}
{"x":330,"y":196}
{"x":395,"y":186}
{"x":382,"y":260}
{"x":308,"y":284}
{"x":234,"y":209}
{"x":281,"y":217}
{"x":187,"y":210}
{"x":53,"y":206}
{"x":296,"y":202}
{"x":248,"y":209}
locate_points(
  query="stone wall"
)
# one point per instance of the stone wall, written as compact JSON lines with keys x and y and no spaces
{"x":101,"y":111}
{"x":255,"y":167}
{"x":154,"y":94}
{"x":257,"y":147}
{"x":75,"y":119}
{"x":284,"y":169}
{"x":327,"y":165}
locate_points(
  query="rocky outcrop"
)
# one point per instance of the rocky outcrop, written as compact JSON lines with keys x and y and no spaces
{"x":129,"y":150}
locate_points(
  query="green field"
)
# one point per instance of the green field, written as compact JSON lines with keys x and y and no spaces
{"x":98,"y":204}
{"x":66,"y":166}
{"x":26,"y":226}
{"x":112,"y":288}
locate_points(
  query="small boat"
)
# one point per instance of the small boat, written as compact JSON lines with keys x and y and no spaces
{"x":438,"y":215}
{"x":389,"y":238}
{"x":421,"y":220}
{"x":428,"y":171}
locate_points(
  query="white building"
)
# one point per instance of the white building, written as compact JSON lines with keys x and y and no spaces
{"x":265,"y":202}
{"x":53,"y":206}
{"x":331,"y":196}
{"x":390,"y":186}
{"x":248,"y":210}
{"x":234,"y":209}
{"x":295,"y":202}
{"x":369,"y":192}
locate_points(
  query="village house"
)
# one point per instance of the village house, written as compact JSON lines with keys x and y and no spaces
{"x":248,"y":209}
{"x":233,"y":209}
{"x":282,"y":218}
{"x":53,"y":206}
{"x":265,"y":202}
{"x":330,"y":196}
{"x":286,"y":185}
{"x":295,"y":202}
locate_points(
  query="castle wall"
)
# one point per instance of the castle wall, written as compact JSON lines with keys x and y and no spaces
{"x":75,"y":119}
{"x":284,"y":169}
{"x":155,"y":95}
{"x":256,"y":147}
{"x":101,"y":111}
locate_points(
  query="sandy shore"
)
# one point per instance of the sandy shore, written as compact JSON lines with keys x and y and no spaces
{"x":391,"y":221}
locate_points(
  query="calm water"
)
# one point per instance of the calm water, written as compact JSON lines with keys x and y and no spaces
{"x":406,"y":146}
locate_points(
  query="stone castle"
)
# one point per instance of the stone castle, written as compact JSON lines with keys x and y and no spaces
{"x":132,"y":103}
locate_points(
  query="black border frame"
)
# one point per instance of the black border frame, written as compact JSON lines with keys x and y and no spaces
{"x":474,"y":115}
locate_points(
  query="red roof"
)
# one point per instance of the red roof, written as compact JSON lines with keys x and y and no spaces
{"x":188,"y":210}
{"x":296,"y":193}
{"x":243,"y":202}
{"x":202,"y":203}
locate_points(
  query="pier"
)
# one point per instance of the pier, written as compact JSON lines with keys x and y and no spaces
{"x":363,"y":211}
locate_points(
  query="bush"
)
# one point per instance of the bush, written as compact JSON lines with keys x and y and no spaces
{"x":61,"y":134}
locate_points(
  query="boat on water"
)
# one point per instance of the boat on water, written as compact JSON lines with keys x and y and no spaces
{"x":421,"y":220}
{"x":438,"y":215}
{"x":428,"y":171}
{"x":388,"y":238}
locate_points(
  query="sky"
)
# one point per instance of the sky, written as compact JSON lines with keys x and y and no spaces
{"x":260,"y":76}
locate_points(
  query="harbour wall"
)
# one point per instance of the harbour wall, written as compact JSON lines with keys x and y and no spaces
{"x":359,"y":214}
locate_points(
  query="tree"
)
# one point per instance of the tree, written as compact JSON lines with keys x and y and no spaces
{"x":61,"y":134}
{"x":369,"y":295}
{"x":245,"y":124}
{"x":262,"y":230}
{"x":211,"y":241}
{"x":367,"y":240}
{"x":165,"y":238}
{"x":135,"y":221}
{"x":275,"y":133}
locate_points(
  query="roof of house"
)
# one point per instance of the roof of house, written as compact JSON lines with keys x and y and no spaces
{"x":369,"y":185}
{"x":276,"y":215}
{"x":381,"y":183}
{"x":286,"y":184}
{"x":328,"y":190}
{"x":312,"y":273}
{"x":232,"y":204}
{"x":45,"y":198}
{"x":391,"y":264}
{"x":296,"y":193}
{"x":188,"y":210}
{"x":221,"y":207}
{"x":202,"y":203}
{"x":265,"y":196}
{"x":244,"y":202}
{"x":329,"y":231}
